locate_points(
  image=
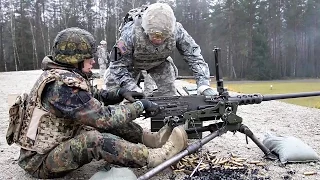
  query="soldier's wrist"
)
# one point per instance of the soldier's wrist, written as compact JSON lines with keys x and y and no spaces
{"x":138,"y":107}
{"x":202,"y":88}
{"x":121,"y":91}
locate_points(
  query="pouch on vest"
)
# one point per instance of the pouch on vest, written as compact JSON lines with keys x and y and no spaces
{"x":16,"y":115}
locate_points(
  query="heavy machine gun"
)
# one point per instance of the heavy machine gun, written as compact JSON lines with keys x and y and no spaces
{"x":221,"y":108}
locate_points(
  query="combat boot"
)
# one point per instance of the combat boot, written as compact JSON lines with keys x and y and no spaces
{"x":176,"y":142}
{"x":156,"y":139}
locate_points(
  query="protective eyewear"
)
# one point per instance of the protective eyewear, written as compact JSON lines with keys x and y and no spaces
{"x":158,"y":35}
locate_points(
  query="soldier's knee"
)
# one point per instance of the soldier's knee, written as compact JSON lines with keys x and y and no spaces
{"x":93,"y":138}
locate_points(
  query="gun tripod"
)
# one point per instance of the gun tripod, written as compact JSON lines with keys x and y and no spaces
{"x":217,"y":129}
{"x":220,"y":128}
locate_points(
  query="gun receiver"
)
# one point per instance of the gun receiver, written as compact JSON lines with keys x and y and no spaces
{"x":179,"y":105}
{"x":222,"y":108}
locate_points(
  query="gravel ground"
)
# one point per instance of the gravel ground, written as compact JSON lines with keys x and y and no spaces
{"x":274,"y":116}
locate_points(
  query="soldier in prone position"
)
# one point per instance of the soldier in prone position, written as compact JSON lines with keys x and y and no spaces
{"x":63,"y":123}
{"x":146,"y":41}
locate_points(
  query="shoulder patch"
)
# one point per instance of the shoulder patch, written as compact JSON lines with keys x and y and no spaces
{"x":84,"y":96}
{"x":122,"y":47}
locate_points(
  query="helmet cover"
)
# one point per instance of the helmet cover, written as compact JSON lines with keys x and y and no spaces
{"x":73,"y":45}
{"x":158,"y":17}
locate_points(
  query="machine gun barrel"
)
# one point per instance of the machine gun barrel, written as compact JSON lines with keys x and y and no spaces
{"x":189,"y":150}
{"x":258,"y":98}
{"x":289,"y":96}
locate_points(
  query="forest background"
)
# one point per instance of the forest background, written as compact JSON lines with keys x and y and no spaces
{"x":259,"y":39}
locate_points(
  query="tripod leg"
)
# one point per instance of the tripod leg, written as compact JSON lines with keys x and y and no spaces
{"x":268,"y":154}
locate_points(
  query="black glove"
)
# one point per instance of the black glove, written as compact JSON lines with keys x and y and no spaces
{"x":150,"y":107}
{"x":131,"y":96}
{"x":107,"y":100}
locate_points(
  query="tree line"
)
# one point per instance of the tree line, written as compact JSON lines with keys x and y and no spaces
{"x":259,"y":39}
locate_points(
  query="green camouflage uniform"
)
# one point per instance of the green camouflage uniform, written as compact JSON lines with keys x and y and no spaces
{"x":64,"y":123}
{"x":112,"y":135}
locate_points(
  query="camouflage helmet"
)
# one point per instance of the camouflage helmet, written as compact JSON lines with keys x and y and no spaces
{"x":158,"y":17}
{"x":73,"y":45}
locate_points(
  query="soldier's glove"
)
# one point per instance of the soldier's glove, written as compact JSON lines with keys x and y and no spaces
{"x":105,"y":97}
{"x":207,"y":91}
{"x":131,"y":96}
{"x":150,"y":107}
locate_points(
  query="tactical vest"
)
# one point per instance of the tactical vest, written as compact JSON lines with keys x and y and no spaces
{"x":34,"y":128}
{"x":146,"y":55}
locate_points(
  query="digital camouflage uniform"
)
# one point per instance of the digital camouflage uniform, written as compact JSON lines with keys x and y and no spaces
{"x":103,"y":59}
{"x":149,"y":86}
{"x":135,"y":52}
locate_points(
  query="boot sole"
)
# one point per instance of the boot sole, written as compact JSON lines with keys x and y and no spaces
{"x":185,"y":136}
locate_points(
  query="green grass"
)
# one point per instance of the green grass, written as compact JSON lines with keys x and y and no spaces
{"x":278,"y":87}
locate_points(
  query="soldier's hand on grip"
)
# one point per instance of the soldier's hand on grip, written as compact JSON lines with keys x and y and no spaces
{"x":150,"y":107}
{"x":131,"y":96}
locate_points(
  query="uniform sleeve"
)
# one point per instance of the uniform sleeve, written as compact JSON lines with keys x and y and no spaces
{"x":108,"y":97}
{"x":79,"y":105}
{"x":121,"y":67}
{"x":191,"y":53}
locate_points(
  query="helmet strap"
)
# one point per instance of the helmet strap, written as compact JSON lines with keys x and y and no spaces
{"x":80,"y":65}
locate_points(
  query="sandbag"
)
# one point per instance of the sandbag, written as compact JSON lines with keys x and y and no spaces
{"x":114,"y":174}
{"x":290,"y":149}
